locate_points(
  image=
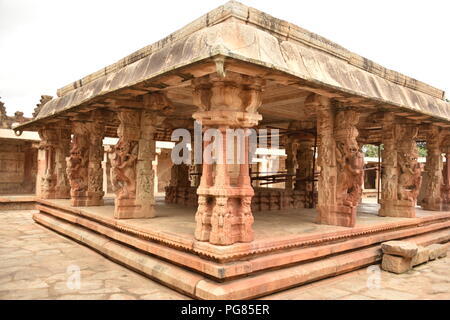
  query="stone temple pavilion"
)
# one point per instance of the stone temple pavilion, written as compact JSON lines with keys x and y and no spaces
{"x":218,"y":235}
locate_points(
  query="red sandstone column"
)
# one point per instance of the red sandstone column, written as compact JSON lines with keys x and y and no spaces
{"x":53,"y":148}
{"x":224,"y":212}
{"x":340,"y":161}
{"x":401,"y":178}
{"x":445,"y":191}
{"x":132,"y":174}
{"x":433,"y":170}
{"x":84,"y":165}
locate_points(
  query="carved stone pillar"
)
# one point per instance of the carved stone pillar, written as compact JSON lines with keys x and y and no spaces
{"x":340,"y":161}
{"x":304,"y":174}
{"x":291,"y":162}
{"x":224,"y":213}
{"x":54,"y":148}
{"x":433,"y":171}
{"x":401,"y":178}
{"x":445,"y":190}
{"x":132,"y":173}
{"x":84,"y":165}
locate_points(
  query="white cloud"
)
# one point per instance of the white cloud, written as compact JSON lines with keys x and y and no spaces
{"x":47,"y":44}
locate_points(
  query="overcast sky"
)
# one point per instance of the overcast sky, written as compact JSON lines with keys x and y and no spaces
{"x":47,"y":44}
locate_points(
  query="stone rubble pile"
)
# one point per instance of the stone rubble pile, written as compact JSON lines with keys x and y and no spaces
{"x":401,"y":256}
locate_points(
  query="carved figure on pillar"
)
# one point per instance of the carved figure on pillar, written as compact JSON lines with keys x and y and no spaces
{"x":132,"y":174}
{"x":77,"y":162}
{"x":350,"y":164}
{"x":445,"y":188}
{"x":434,"y":170}
{"x":303,"y":192}
{"x":401,"y":178}
{"x":340,"y":162}
{"x":53,"y":180}
{"x":224,"y":212}
{"x":84,"y":164}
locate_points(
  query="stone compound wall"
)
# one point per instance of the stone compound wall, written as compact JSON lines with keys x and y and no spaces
{"x":18,"y":167}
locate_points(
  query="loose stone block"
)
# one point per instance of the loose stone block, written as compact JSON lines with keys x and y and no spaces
{"x":395,"y":264}
{"x":437,"y":251}
{"x":422,"y":256}
{"x":400,"y":248}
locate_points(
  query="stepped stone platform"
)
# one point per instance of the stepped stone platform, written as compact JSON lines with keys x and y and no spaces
{"x":17,"y":202}
{"x":289,"y":248}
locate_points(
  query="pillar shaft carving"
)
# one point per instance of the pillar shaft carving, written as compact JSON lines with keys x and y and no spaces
{"x":55,"y":146}
{"x":224,"y":213}
{"x":341,"y":163}
{"x":132,"y":174}
{"x":433,"y":171}
{"x":445,"y":189}
{"x":401,"y":178}
{"x":303,"y":192}
{"x":84,"y":165}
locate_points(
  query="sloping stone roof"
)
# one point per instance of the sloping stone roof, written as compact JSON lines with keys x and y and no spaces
{"x":246,"y":34}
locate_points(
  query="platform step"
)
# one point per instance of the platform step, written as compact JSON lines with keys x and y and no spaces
{"x":199,"y":286}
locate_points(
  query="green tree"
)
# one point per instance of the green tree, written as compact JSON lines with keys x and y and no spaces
{"x":370,"y":150}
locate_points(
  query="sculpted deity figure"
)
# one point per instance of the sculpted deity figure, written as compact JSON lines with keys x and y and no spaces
{"x":349,"y":160}
{"x":76,"y":167}
{"x":123,"y":172}
{"x":410,"y":178}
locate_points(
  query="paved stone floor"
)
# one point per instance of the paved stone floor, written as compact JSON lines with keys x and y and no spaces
{"x":36,"y":263}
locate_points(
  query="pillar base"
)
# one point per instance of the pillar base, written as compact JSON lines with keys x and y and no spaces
{"x":397,"y":208}
{"x":343,"y":216}
{"x":224,"y":215}
{"x":86,"y":199}
{"x":129,"y":209}
{"x":433,"y":204}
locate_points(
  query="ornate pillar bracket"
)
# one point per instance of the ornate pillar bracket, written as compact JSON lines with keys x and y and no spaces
{"x":54,"y":147}
{"x":401,"y":178}
{"x":224,"y":213}
{"x":84,"y":165}
{"x":340,"y":161}
{"x":434,"y":170}
{"x":132,"y":174}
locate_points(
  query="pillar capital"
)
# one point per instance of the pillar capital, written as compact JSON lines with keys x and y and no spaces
{"x":317,"y":101}
{"x":232,"y":100}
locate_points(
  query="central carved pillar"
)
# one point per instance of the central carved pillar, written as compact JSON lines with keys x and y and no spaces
{"x":340,"y":161}
{"x":84,"y":165}
{"x":433,"y":171}
{"x":401,"y":178}
{"x":132,"y":174}
{"x":224,"y":213}
{"x":54,"y":148}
